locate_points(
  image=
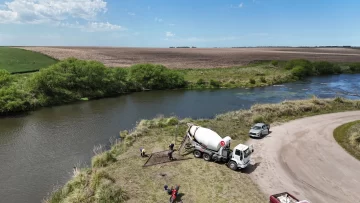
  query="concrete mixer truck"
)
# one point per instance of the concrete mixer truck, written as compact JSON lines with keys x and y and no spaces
{"x":209,"y":145}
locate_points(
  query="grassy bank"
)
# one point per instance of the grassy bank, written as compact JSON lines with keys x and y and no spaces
{"x":348,"y":136}
{"x":18,"y":60}
{"x":73,"y":80}
{"x":253,"y":75}
{"x":121,"y":169}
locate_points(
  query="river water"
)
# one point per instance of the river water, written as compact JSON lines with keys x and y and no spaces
{"x":39,"y":150}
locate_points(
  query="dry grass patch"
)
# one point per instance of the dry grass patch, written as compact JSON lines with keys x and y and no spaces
{"x":348,"y":136}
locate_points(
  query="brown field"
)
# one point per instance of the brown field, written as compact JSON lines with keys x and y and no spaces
{"x":198,"y":57}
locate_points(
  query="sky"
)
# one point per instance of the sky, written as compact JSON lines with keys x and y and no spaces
{"x":164,"y":23}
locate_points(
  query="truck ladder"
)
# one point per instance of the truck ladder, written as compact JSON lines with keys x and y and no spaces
{"x":186,"y":138}
{"x":183,"y":142}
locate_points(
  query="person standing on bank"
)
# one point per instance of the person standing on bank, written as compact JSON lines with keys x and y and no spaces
{"x":142,"y":152}
{"x":171,"y":147}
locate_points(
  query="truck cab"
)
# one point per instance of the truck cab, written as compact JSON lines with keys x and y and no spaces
{"x":240,"y":157}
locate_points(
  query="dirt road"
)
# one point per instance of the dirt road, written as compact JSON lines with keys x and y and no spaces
{"x":303,"y":158}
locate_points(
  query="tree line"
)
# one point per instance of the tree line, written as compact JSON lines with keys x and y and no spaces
{"x":73,"y":80}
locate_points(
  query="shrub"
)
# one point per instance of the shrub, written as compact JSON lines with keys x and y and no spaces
{"x":89,"y":186}
{"x":5,"y":77}
{"x":339,"y":100}
{"x":299,"y":71}
{"x":151,"y":76}
{"x":274,"y":62}
{"x":355,"y":67}
{"x":123,"y":134}
{"x":110,"y":193}
{"x":13,"y":99}
{"x":262,"y":79}
{"x":260,"y":74}
{"x":215,"y":83}
{"x":119,"y":81}
{"x":307,"y":66}
{"x":97,"y":177}
{"x":297,"y":62}
{"x":72,"y":79}
{"x":103,"y":159}
{"x":326,"y":68}
{"x":200,"y":82}
{"x":258,"y":119}
{"x":172,"y":121}
{"x":252,"y":81}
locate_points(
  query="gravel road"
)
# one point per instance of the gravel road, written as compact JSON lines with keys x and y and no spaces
{"x":303,"y":158}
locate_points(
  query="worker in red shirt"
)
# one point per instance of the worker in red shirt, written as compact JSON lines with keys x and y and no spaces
{"x":173,"y":192}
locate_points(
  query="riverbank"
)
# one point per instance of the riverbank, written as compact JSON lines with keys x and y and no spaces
{"x":348,"y":136}
{"x":74,"y":80}
{"x":117,"y":174}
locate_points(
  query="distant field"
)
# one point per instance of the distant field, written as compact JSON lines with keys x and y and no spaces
{"x":19,"y":60}
{"x":197,"y":57}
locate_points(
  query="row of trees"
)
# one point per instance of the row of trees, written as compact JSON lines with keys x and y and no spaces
{"x":72,"y":79}
{"x":302,"y":68}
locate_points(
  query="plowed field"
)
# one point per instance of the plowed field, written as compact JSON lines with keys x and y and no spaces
{"x":197,"y":57}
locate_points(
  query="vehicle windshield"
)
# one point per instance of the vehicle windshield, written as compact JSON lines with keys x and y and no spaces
{"x":256,"y":127}
{"x":247,"y":153}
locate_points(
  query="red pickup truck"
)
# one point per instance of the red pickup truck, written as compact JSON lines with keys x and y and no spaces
{"x":285,"y":197}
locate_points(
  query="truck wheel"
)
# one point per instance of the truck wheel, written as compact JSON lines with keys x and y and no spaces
{"x":233,"y":165}
{"x":206,"y":157}
{"x":197,"y":154}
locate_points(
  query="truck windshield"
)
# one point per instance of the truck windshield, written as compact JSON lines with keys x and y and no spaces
{"x":247,"y":153}
{"x":256,"y":127}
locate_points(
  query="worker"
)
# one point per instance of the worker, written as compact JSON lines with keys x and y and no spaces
{"x":174,"y":193}
{"x":177,"y":188}
{"x":171,"y":147}
{"x":170,"y":154}
{"x":142,"y":152}
{"x":168,"y":190}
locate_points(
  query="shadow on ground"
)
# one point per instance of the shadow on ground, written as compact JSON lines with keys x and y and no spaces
{"x":259,"y":138}
{"x":162,"y":157}
{"x":250,"y":168}
{"x":179,"y":197}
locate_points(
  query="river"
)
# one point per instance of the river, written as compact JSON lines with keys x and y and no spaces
{"x":39,"y":150}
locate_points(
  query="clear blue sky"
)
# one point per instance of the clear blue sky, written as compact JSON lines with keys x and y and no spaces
{"x":164,"y":23}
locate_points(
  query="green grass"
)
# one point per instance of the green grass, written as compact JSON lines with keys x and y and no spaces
{"x":19,"y":60}
{"x":348,"y":136}
{"x":261,"y":74}
{"x":199,"y":181}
